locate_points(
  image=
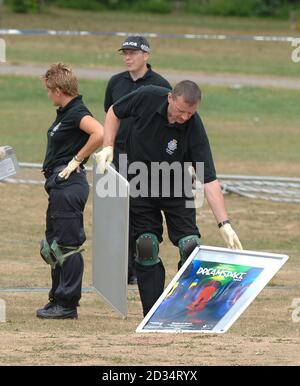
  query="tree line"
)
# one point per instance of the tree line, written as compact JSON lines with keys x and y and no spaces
{"x":250,"y":8}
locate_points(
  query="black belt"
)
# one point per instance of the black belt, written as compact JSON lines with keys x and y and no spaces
{"x":57,"y":169}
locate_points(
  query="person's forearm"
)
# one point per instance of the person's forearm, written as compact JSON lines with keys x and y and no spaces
{"x":111,"y":126}
{"x":93,"y":143}
{"x":215,"y":199}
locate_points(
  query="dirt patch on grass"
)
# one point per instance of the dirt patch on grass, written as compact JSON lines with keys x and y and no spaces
{"x":263,"y":335}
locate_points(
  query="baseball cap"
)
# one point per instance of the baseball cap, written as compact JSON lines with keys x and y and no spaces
{"x":135,"y":43}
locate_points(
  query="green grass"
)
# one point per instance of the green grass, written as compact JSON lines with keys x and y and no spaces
{"x":26,"y":113}
{"x":251,"y":130}
{"x":255,"y":124}
{"x":249,"y":126}
{"x":99,"y":337}
{"x":256,"y":58}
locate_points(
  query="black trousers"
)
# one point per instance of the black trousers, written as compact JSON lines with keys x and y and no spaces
{"x":64,"y":223}
{"x":146,"y":217}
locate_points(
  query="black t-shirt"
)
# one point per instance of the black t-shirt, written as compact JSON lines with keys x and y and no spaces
{"x":65,"y":138}
{"x":153,"y":139}
{"x":122,"y":84}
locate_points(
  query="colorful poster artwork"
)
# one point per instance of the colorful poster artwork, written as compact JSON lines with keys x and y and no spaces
{"x":202,"y":296}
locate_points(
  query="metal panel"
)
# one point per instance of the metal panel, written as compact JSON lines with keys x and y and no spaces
{"x":110,"y":238}
{"x":9,"y":165}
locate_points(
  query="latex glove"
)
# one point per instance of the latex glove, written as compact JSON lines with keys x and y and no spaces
{"x":70,"y":168}
{"x":103,"y":157}
{"x":230,"y":237}
{"x":2,"y":152}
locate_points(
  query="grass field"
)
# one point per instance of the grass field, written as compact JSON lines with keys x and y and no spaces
{"x":259,"y":58}
{"x":252,"y":131}
{"x":265,"y":334}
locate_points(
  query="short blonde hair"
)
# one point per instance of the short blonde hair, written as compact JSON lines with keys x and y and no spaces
{"x":61,"y":76}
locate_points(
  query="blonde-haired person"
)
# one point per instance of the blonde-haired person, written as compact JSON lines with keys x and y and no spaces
{"x":72,"y":138}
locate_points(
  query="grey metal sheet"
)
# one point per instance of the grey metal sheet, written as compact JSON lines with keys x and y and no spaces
{"x":9,"y":165}
{"x":110,"y":238}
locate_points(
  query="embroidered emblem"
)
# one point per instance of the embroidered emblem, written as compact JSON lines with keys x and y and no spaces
{"x":172,"y":146}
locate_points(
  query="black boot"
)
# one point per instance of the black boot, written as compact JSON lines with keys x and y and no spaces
{"x":151,"y":282}
{"x":132,"y":279}
{"x":50,"y":304}
{"x":57,"y":312}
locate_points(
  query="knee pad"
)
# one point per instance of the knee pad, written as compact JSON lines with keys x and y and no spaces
{"x":46,"y":255}
{"x":56,"y":254}
{"x":186,"y":246}
{"x":147,"y":247}
{"x":61,"y":252}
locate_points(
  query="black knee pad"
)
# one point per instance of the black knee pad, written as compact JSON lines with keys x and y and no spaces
{"x":147,"y":247}
{"x":186,"y":246}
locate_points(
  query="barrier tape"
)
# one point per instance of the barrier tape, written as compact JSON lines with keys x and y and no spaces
{"x":45,"y":32}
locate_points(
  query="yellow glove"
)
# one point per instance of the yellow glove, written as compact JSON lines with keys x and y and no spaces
{"x":230,"y":237}
{"x":103,"y":157}
{"x":70,"y":168}
{"x":2,"y":152}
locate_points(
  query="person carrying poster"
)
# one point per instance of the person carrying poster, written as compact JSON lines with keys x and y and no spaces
{"x":166,"y":129}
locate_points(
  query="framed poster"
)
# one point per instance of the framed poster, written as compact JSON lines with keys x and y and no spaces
{"x":110,"y":238}
{"x":211,"y":290}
